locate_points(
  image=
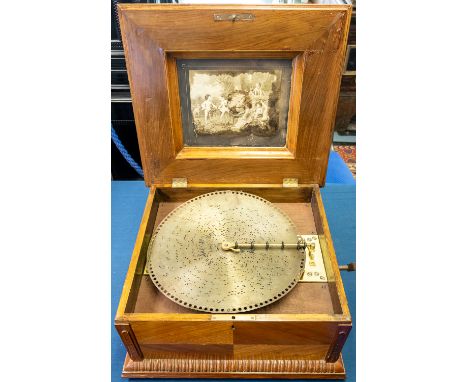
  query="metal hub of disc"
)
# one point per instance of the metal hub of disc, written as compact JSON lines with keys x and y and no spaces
{"x":187,"y":263}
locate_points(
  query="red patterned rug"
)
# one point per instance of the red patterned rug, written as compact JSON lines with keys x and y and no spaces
{"x":348,"y":153}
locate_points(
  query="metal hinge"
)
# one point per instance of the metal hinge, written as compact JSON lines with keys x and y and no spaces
{"x":179,"y":182}
{"x":290,"y":182}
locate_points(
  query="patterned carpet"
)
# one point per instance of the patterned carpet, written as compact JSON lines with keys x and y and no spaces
{"x":348,"y":153}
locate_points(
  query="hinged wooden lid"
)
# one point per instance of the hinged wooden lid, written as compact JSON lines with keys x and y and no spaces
{"x":157,"y":38}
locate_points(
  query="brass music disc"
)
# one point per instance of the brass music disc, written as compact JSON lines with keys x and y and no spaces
{"x":187,"y":264}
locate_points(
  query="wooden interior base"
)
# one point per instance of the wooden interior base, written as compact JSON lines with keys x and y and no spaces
{"x":304,"y":298}
{"x":300,"y":213}
{"x":219,"y":367}
{"x":293,"y":337}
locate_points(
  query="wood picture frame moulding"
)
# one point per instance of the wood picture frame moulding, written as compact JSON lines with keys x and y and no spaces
{"x":313,"y":36}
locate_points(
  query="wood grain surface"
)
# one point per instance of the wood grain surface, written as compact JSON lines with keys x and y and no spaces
{"x":209,"y":366}
{"x":304,"y":298}
{"x":289,"y":340}
{"x":310,"y":324}
{"x":273,"y":193}
{"x":140,"y":301}
{"x":300,"y":214}
{"x":153,"y":35}
{"x":138,"y":259}
{"x":330,"y":260}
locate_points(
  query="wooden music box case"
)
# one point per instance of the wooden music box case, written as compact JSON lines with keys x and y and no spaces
{"x":234,"y":103}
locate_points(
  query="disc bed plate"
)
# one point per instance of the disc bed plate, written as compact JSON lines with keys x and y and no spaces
{"x":187,"y":264}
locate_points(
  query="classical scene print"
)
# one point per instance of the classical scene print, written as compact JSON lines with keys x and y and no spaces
{"x":230,"y":103}
{"x":237,"y":107}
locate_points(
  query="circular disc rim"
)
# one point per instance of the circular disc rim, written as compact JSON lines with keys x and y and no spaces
{"x":208,"y":309}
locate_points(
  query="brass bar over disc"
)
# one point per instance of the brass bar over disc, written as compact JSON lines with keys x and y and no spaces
{"x":236,"y":247}
{"x":187,"y":262}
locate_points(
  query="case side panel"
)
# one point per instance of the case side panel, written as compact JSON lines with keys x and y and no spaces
{"x":137,"y":259}
{"x":340,"y":39}
{"x":273,"y":194}
{"x":128,"y":338}
{"x":125,"y":30}
{"x":332,"y":254}
{"x":169,"y":338}
{"x":337,"y":345}
{"x":277,"y":340}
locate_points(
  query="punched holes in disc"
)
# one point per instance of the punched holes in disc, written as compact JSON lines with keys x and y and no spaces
{"x":188,"y":265}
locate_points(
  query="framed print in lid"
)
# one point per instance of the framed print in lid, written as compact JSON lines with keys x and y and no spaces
{"x":228,"y":94}
{"x":233,"y":273}
{"x":232,"y":103}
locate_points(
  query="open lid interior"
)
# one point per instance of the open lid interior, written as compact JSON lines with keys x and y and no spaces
{"x":234,"y":94}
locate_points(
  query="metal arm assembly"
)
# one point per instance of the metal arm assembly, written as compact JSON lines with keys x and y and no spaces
{"x":236,"y":247}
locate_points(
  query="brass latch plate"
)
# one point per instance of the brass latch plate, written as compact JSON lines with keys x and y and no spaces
{"x":233,"y":17}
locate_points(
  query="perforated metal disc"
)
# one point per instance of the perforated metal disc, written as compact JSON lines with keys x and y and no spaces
{"x":187,"y":264}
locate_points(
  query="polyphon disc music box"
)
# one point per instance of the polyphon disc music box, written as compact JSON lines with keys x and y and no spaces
{"x":234,"y":274}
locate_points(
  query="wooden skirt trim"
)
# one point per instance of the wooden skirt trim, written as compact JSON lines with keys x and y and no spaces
{"x":218,"y":367}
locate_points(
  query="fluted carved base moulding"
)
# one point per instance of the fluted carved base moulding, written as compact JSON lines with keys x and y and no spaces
{"x":217,"y":367}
